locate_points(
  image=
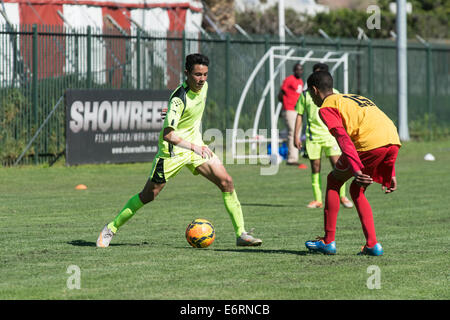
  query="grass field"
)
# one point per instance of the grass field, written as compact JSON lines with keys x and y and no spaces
{"x":47,"y":225}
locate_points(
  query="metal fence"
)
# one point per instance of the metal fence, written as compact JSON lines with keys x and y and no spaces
{"x":38,"y":63}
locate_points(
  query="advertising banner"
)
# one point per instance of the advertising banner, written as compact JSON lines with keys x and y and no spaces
{"x":113,"y":126}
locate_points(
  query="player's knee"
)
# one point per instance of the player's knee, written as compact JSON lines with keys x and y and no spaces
{"x":226,"y":184}
{"x":356,"y":190}
{"x":316,"y":168}
{"x":333,"y":182}
{"x":149,"y":193}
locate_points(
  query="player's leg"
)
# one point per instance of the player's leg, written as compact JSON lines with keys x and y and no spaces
{"x":379,"y":164}
{"x":314,"y":151}
{"x":214,"y":171}
{"x":153,"y":186}
{"x":316,"y":184}
{"x":342,"y":192}
{"x":290,"y":116}
{"x":148,"y":194}
{"x":335,"y":180}
{"x":364,"y":212}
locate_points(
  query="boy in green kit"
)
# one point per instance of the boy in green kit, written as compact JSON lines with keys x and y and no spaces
{"x":180,"y":145}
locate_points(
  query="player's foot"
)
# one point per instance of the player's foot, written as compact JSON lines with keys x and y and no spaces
{"x":247,"y":240}
{"x":105,"y":237}
{"x":320,"y":246}
{"x":346,"y":202}
{"x":314,"y":204}
{"x":295,"y":163}
{"x":376,"y":250}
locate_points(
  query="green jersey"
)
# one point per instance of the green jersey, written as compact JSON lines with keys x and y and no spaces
{"x":184,"y":115}
{"x":316,"y":130}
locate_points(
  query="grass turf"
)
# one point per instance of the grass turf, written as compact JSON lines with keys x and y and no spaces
{"x":47,"y":226}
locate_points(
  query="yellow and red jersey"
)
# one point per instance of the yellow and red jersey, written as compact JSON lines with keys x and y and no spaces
{"x":367,"y":126}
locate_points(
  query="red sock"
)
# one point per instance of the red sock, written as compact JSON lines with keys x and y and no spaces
{"x":332,"y":203}
{"x":364,"y":212}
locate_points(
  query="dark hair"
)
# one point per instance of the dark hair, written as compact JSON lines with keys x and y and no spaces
{"x":195,"y":58}
{"x":322,"y":80}
{"x":320,"y":67}
{"x":296,"y":65}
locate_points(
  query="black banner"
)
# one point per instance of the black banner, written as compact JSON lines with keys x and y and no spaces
{"x":113,"y":126}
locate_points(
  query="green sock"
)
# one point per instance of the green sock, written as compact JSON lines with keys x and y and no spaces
{"x":316,"y":186}
{"x":133,"y":205}
{"x":342,"y":191}
{"x":234,"y":209}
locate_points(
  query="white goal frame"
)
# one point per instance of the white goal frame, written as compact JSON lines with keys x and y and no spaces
{"x":336,"y":58}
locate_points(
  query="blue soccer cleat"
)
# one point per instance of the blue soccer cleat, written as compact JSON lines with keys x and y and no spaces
{"x":376,"y":250}
{"x":320,"y":246}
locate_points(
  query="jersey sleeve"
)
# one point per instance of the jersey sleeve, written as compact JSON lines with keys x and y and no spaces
{"x":300,"y":105}
{"x":285,"y":85}
{"x":331,"y":117}
{"x":348,"y":148}
{"x":174,"y":112}
{"x":333,"y":120}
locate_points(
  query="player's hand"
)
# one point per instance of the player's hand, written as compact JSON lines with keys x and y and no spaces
{"x":362,"y":179}
{"x":164,"y":113}
{"x":298,"y":143}
{"x":393,"y":186}
{"x":202,"y":151}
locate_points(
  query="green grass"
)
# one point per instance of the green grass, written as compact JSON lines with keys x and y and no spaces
{"x":46,"y":226}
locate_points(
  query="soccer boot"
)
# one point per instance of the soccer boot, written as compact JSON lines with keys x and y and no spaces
{"x":105,"y":237}
{"x":314,"y":204}
{"x":320,"y":246}
{"x":247,"y":240}
{"x":376,"y":250}
{"x":346,"y":202}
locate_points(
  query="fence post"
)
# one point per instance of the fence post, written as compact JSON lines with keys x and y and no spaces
{"x":138,"y":60}
{"x":370,"y":67}
{"x":89,"y":58}
{"x":183,"y":55}
{"x":428,"y":84}
{"x":266,"y":80}
{"x":34,"y":89}
{"x":338,"y":71}
{"x":227,"y":78}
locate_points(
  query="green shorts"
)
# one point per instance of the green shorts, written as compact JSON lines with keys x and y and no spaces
{"x":315,"y":149}
{"x":165,"y":168}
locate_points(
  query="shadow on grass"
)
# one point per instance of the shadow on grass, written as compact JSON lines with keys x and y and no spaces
{"x":84,"y":243}
{"x":298,"y":253}
{"x":264,"y":205}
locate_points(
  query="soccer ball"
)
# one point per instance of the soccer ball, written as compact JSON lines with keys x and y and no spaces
{"x":200,"y":233}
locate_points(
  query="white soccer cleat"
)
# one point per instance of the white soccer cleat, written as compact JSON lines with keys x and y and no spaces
{"x":105,"y":237}
{"x":346,"y":203}
{"x":247,"y":240}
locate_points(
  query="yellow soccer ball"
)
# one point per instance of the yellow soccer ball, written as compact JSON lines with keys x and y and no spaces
{"x":200,"y":233}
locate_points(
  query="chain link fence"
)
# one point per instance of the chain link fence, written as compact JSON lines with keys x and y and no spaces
{"x":38,"y":63}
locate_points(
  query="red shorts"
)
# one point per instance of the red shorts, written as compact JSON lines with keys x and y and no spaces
{"x":378,"y":163}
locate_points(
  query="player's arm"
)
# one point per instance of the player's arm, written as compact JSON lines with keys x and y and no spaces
{"x":299,"y":107}
{"x":333,"y":120}
{"x":393,"y":183}
{"x":297,"y":131}
{"x":170,"y":136}
{"x":392,"y":187}
{"x":280,"y":95}
{"x":173,"y":115}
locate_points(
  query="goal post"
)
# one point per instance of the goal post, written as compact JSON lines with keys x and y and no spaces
{"x":276,"y":57}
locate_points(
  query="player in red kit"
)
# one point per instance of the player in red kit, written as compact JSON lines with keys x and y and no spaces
{"x":369,"y":142}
